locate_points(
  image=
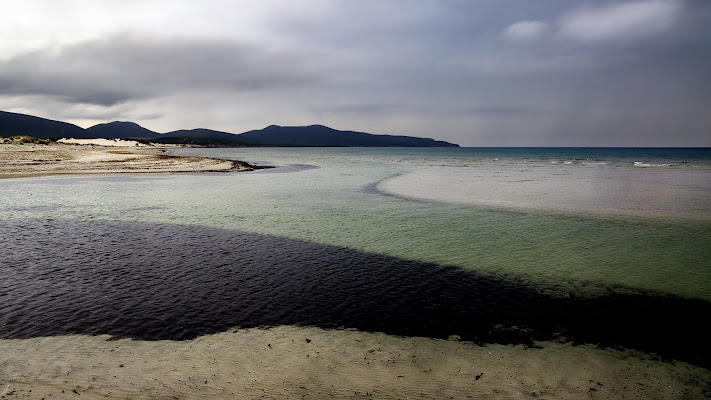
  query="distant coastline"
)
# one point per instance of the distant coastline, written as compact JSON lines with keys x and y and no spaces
{"x":14,"y":124}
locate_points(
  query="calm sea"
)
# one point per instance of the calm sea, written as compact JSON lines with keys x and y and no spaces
{"x":493,"y":244}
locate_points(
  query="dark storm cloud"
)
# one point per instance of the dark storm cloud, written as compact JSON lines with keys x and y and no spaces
{"x":123,"y":68}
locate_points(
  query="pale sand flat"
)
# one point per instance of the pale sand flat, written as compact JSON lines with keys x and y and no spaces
{"x":592,"y":189}
{"x":28,"y":160}
{"x":310,"y":363}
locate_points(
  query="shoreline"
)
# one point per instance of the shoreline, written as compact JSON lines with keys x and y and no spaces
{"x":27,"y":160}
{"x":304,"y":362}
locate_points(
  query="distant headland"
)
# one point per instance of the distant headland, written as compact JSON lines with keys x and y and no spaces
{"x":14,"y":124}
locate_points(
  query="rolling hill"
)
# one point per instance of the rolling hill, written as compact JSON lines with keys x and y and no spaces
{"x":319,"y":135}
{"x":118,"y":130}
{"x":13,"y":124}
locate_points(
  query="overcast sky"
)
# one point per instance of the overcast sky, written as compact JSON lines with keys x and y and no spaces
{"x":473,"y":72}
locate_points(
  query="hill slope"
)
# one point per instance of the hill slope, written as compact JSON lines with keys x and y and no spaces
{"x":204,"y":137}
{"x":118,"y":130}
{"x":12,"y":124}
{"x":319,"y":135}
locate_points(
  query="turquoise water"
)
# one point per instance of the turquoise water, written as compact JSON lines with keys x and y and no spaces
{"x":352,"y":198}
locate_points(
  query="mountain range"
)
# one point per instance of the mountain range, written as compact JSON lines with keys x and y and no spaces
{"x":14,"y":124}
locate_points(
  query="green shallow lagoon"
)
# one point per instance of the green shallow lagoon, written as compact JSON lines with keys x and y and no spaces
{"x":340,"y":203}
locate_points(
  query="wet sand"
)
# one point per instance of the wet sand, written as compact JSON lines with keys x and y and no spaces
{"x":291,"y":362}
{"x":30,"y":160}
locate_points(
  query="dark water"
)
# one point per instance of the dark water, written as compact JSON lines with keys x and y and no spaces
{"x":161,"y":281}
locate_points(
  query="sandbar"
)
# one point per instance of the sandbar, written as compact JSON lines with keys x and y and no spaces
{"x":21,"y":160}
{"x":666,"y":192}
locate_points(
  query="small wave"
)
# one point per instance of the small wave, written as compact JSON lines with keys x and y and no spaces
{"x":564,"y":162}
{"x":644,"y":164}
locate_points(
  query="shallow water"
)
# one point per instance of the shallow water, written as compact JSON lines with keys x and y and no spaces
{"x":242,"y":249}
{"x":334,"y":197}
{"x":165,"y":281}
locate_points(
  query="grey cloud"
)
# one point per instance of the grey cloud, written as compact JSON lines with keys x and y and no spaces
{"x":502,"y":111}
{"x":524,"y":30}
{"x":123,"y":111}
{"x":367,"y":109}
{"x":623,"y":21}
{"x":648,"y":90}
{"x":426,"y":68}
{"x":121,"y":68}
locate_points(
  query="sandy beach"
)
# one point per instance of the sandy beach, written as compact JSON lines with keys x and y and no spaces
{"x":18,"y":160}
{"x":310,"y":363}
